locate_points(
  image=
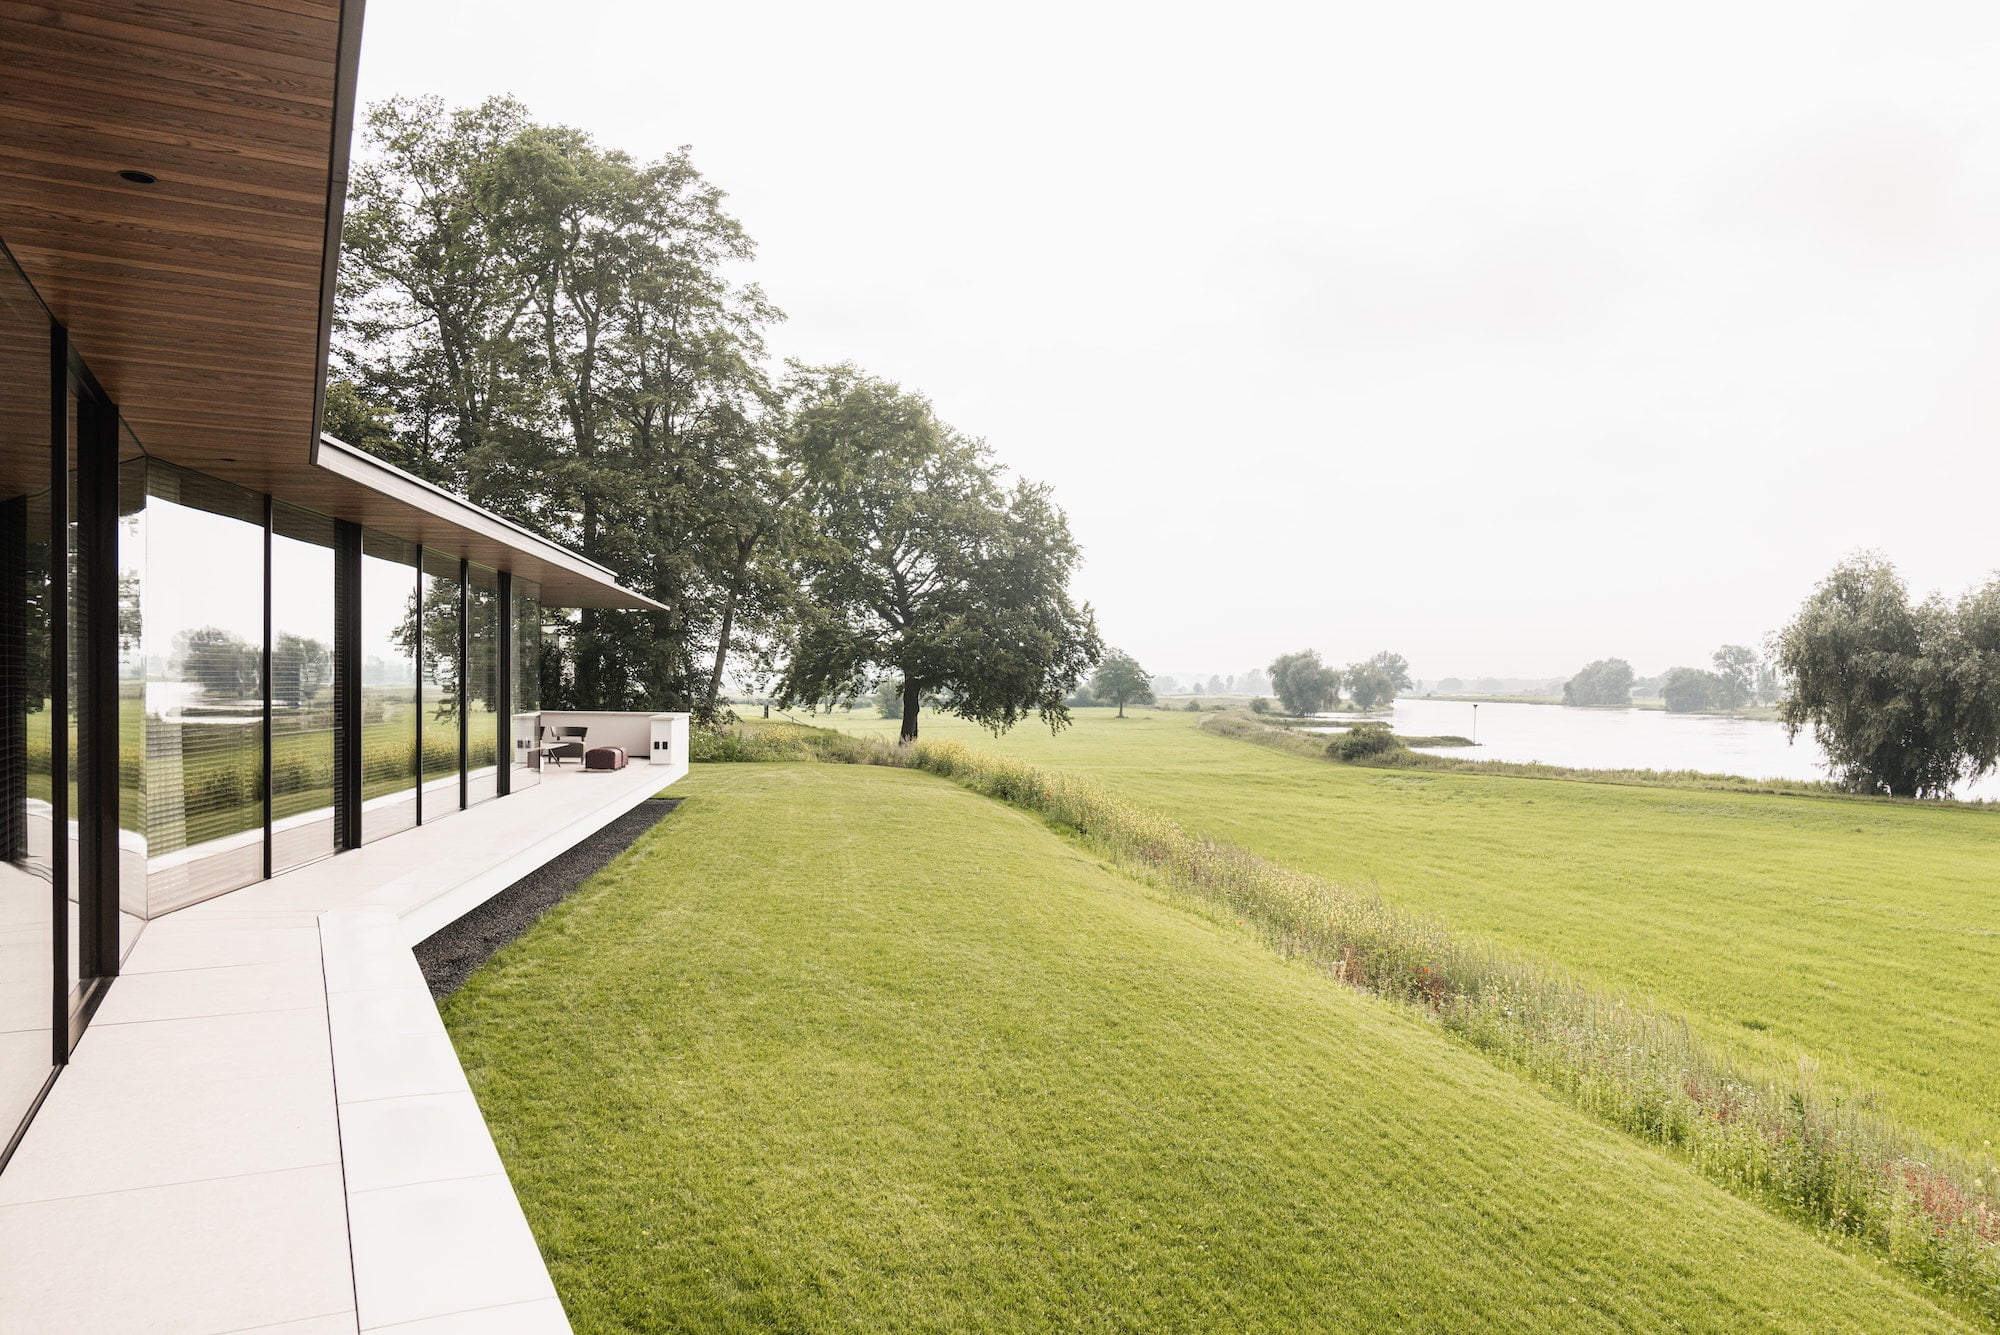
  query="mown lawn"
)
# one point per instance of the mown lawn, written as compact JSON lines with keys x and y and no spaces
{"x":852,"y":1049}
{"x":1864,"y":936}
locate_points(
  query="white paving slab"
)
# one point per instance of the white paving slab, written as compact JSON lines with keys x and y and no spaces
{"x":266,"y":1128}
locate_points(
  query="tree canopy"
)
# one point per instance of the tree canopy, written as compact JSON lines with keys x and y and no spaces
{"x":1303,"y":684}
{"x":1119,"y":680}
{"x":547,"y":326}
{"x":1736,"y":676}
{"x":1687,"y":690}
{"x":927,"y":565}
{"x":1377,"y":681}
{"x":1602,"y":684}
{"x":561,"y":333}
{"x":1903,"y":697}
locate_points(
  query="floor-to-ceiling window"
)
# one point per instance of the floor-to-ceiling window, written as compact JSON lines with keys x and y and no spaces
{"x":131,"y":668}
{"x":389,"y":621}
{"x":28,"y":904}
{"x":483,"y":626}
{"x":440,"y":684}
{"x":525,"y":693}
{"x":302,"y":721}
{"x":201,"y":604}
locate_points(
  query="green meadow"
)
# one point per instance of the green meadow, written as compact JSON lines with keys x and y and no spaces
{"x":1859,"y":937}
{"x":848,"y":1048}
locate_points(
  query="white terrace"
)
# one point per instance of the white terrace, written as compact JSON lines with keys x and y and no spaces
{"x":265,"y":1127}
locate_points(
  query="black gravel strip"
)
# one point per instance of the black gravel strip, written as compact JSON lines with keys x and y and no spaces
{"x":449,"y":955}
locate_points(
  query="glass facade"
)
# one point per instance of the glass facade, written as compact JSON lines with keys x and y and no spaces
{"x":304,"y":731}
{"x":201,"y":624}
{"x":440,"y":682}
{"x":202,"y":686}
{"x":483,"y":624}
{"x":28,"y":901}
{"x":525,"y":664}
{"x":131,"y":703}
{"x":388,"y":685}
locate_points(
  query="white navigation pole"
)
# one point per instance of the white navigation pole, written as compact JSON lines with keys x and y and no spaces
{"x":1475,"y":725}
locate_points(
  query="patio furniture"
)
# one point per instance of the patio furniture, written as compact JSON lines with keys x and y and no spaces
{"x":605,"y":757}
{"x":567,"y":741}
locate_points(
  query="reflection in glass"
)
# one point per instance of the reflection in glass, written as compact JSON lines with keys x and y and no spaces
{"x":302,"y":725}
{"x":482,"y":683}
{"x":440,"y":694}
{"x":525,"y":625}
{"x":131,"y":669}
{"x":68,"y":830}
{"x":27,"y":901}
{"x":388,"y":685}
{"x":202,"y":627}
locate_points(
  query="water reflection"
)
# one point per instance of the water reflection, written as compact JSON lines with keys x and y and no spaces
{"x":1626,"y":739}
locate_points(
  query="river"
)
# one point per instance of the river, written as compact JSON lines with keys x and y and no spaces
{"x":1626,"y":739}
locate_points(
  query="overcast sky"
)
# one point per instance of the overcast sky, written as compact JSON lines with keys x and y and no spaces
{"x":1504,"y":336}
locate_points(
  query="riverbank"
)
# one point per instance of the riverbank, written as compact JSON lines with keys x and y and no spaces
{"x":1763,"y":713}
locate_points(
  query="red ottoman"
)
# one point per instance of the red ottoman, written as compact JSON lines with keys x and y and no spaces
{"x":604,"y":757}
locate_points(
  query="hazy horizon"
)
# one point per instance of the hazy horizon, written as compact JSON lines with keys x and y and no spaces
{"x":1498,"y":337}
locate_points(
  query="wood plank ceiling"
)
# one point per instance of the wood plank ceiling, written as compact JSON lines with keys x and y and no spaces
{"x":196,"y":299}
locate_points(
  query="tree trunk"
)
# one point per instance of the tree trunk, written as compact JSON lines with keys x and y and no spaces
{"x":721,"y":654}
{"x":913,"y":695}
{"x":1121,"y":708}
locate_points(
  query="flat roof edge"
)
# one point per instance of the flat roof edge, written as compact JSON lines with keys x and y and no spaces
{"x":363,"y":469}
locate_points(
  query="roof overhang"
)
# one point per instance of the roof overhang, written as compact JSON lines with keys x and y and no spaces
{"x":203,"y":302}
{"x":357,"y":486}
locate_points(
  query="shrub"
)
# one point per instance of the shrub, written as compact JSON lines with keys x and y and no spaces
{"x":1260,"y":706}
{"x":1364,"y":741}
{"x":1191,"y":707}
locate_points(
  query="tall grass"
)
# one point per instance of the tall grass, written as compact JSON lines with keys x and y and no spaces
{"x":1784,"y":1140}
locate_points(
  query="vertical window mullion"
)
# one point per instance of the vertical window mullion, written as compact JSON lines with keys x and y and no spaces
{"x":59,"y":651}
{"x":418,"y":658}
{"x":265,"y":672}
{"x":464,"y":681}
{"x":347,"y":685}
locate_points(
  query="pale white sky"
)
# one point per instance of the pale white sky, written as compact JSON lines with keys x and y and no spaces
{"x":1504,"y":336}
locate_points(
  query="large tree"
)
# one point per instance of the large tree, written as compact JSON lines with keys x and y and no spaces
{"x":1686,"y":690}
{"x":1378,"y":681}
{"x":548,"y":326}
{"x":1903,"y":697}
{"x":1736,"y":669}
{"x":1303,"y":684}
{"x":927,"y":567}
{"x":1607,"y":683}
{"x":1119,"y":680}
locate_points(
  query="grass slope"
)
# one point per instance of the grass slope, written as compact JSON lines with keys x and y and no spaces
{"x":1865,"y":935}
{"x":854,"y":1049}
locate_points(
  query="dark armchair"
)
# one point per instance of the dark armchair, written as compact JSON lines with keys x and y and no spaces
{"x":565,"y":741}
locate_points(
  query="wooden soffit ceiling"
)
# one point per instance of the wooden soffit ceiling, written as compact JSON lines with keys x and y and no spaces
{"x":196,"y":300}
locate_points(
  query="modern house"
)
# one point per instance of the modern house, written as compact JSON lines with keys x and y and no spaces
{"x":269,"y":716}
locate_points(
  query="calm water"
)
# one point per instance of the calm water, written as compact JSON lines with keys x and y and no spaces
{"x":1626,"y":739}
